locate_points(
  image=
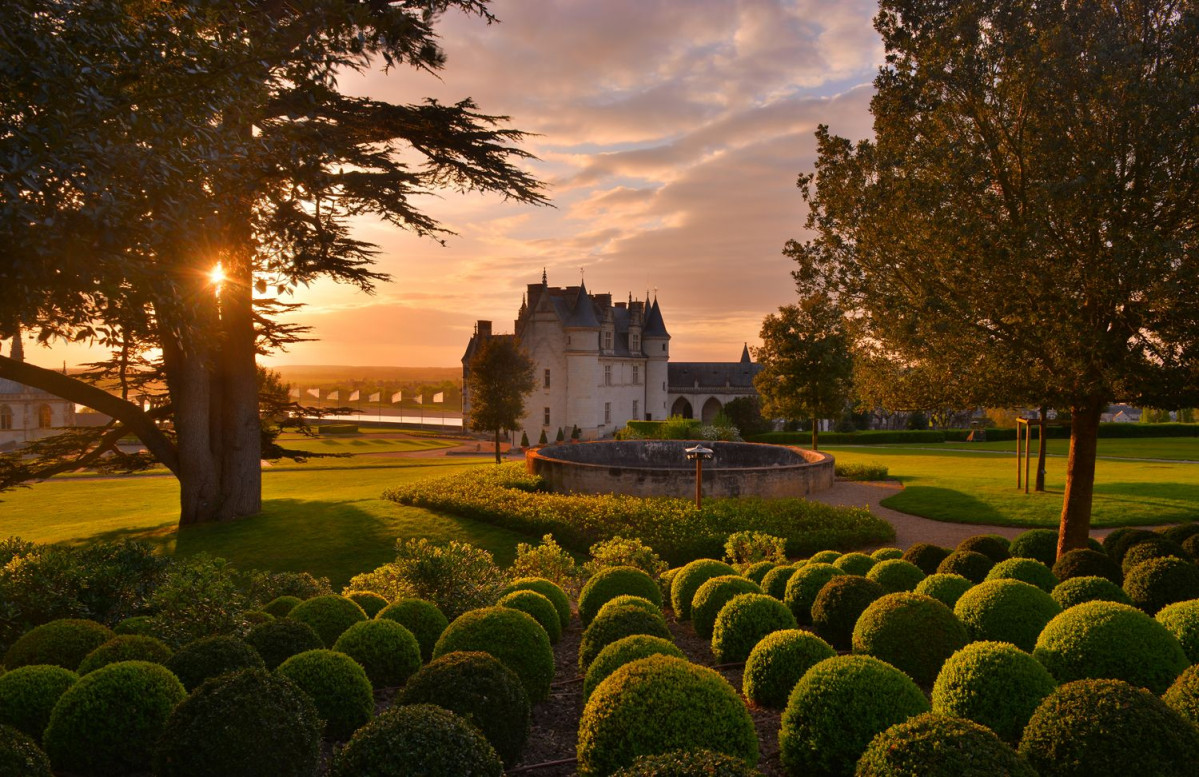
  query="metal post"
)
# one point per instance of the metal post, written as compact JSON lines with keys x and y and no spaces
{"x":699,"y":482}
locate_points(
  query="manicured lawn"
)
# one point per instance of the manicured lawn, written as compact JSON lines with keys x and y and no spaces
{"x":369,"y":442}
{"x":1175,"y":448}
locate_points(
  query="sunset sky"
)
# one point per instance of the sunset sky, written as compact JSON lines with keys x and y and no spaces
{"x":670,"y":135}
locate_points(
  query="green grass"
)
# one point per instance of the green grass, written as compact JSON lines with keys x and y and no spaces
{"x":359,"y":444}
{"x":1174,"y":448}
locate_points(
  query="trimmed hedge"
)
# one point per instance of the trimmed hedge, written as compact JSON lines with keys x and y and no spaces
{"x":328,"y":615}
{"x":886,"y":554}
{"x":65,"y":642}
{"x":823,"y":557}
{"x":385,"y":650}
{"x":777,"y":662}
{"x":1119,"y":542}
{"x":635,"y":601}
{"x":20,"y":756}
{"x":547,"y":588}
{"x":1182,"y":620}
{"x":970,"y":564}
{"x":934,"y":745}
{"x":1093,"y":588}
{"x":280,"y":606}
{"x":896,"y":575}
{"x":744,"y":621}
{"x":1146,"y":550}
{"x":992,"y":546}
{"x":688,"y":580}
{"x":29,"y":693}
{"x":945,"y":588}
{"x":927,"y":557}
{"x":1038,"y":544}
{"x":537,"y":605}
{"x":757,"y":571}
{"x":624,"y":651}
{"x":338,"y":686}
{"x":212,"y":656}
{"x":1181,"y":532}
{"x":992,"y":683}
{"x":616,"y":623}
{"x":1183,"y":695}
{"x":913,"y":632}
{"x":370,"y":602}
{"x":774,"y":583}
{"x":125,"y":647}
{"x":1026,"y":570}
{"x":418,"y":739}
{"x":279,"y":640}
{"x":423,"y":619}
{"x":712,"y":596}
{"x":855,"y":563}
{"x":803,"y":587}
{"x":611,"y":582}
{"x":1161,"y":581}
{"x":840,"y":603}
{"x":1006,"y":611}
{"x":513,"y":637}
{"x":687,"y":763}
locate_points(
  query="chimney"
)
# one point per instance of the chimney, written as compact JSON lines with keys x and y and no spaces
{"x":483,"y":329}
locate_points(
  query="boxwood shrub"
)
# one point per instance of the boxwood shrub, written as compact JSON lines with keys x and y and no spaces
{"x":912,"y":632}
{"x":513,"y":637}
{"x":896,"y":575}
{"x":111,"y":720}
{"x":623,"y":651}
{"x":824,"y":557}
{"x":125,"y":647}
{"x":855,"y":563}
{"x":1182,"y":620}
{"x":1154,"y":547}
{"x":926,"y":556}
{"x":422,"y":618}
{"x":992,"y":546}
{"x":280,"y":640}
{"x":1161,"y":581}
{"x":712,"y":596}
{"x":280,"y":606}
{"x":803,"y":587}
{"x":385,"y":650}
{"x":418,"y":739}
{"x":774,"y":583}
{"x":337,"y":685}
{"x":29,"y":693}
{"x":840,"y":603}
{"x":685,"y":763}
{"x":1117,"y":539}
{"x":944,"y":587}
{"x":1006,"y":611}
{"x":936,"y":745}
{"x":197,"y":661}
{"x":886,"y":554}
{"x":635,"y":601}
{"x":1110,"y":640}
{"x":1183,"y":694}
{"x":547,"y":588}
{"x":777,"y":662}
{"x":482,"y":691}
{"x":970,"y":564}
{"x":992,"y":683}
{"x":328,"y":615}
{"x":1180,"y":532}
{"x":1026,"y":570}
{"x":1095,"y":727}
{"x":838,"y":707}
{"x":688,"y":580}
{"x":615,"y":623}
{"x":20,"y":756}
{"x":611,"y":582}
{"x":757,"y":571}
{"x":744,"y":621}
{"x":649,"y":707}
{"x":370,"y":602}
{"x":65,"y":642}
{"x":1038,"y":544}
{"x":246,"y":723}
{"x":541,"y":608}
{"x":1085,"y":562}
{"x":1091,"y":588}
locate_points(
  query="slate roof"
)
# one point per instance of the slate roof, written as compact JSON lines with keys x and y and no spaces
{"x":681,"y":376}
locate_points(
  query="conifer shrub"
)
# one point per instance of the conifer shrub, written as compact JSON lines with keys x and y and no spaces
{"x":328,"y":615}
{"x":125,"y":647}
{"x":688,"y":580}
{"x":610,"y":582}
{"x":1085,"y":562}
{"x":65,"y":642}
{"x":547,"y":588}
{"x":1091,"y":588}
{"x":280,"y":606}
{"x":135,"y":624}
{"x":419,"y":739}
{"x":714,"y":595}
{"x":774,"y":582}
{"x":244,"y":723}
{"x":687,"y":763}
{"x":992,"y":683}
{"x":757,"y":571}
{"x":803,"y":587}
{"x":1026,"y":570}
{"x":423,"y":619}
{"x":29,"y":693}
{"x":20,"y":756}
{"x":198,"y":661}
{"x":744,"y":621}
{"x":838,"y":707}
{"x":1161,"y":581}
{"x":111,"y":720}
{"x":824,"y":557}
{"x":385,"y":650}
{"x":279,"y":640}
{"x":839,"y":604}
{"x":623,"y":651}
{"x":649,"y":707}
{"x":777,"y":662}
{"x":944,"y":587}
{"x":1183,"y":694}
{"x":616,"y":623}
{"x":855,"y":563}
{"x":1097,"y":727}
{"x":926,"y":556}
{"x":896,"y":575}
{"x":337,"y":685}
{"x":541,"y":608}
{"x":910,"y":631}
{"x":1006,"y":611}
{"x":886,"y":554}
{"x":482,"y":691}
{"x":1182,"y":620}
{"x":937,"y":745}
{"x":1147,"y":550}
{"x":370,"y":602}
{"x":511,"y":636}
{"x":1181,"y":532}
{"x":1038,"y":544}
{"x":1113,"y":641}
{"x":992,"y":546}
{"x":970,"y":564}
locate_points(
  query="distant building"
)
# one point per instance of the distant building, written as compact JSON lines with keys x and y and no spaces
{"x":600,"y":364}
{"x":28,"y":413}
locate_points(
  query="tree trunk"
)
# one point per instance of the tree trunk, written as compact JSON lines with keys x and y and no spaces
{"x":189,"y":379}
{"x":497,"y":446}
{"x":1075,"y":525}
{"x":241,"y":436}
{"x":1042,"y":428}
{"x":815,"y":427}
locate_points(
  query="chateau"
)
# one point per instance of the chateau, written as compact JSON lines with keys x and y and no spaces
{"x":28,"y":413}
{"x":601,"y":363}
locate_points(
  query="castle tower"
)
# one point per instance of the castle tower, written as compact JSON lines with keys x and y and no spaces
{"x":655,"y":342}
{"x":582,"y":366}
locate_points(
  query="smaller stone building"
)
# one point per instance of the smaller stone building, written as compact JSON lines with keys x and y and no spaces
{"x":28,"y":413}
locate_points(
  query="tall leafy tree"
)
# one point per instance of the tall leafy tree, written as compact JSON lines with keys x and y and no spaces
{"x":144,"y":143}
{"x":807,"y":367}
{"x":1030,"y":197}
{"x":499,"y":377}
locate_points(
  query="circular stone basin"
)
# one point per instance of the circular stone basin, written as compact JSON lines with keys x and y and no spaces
{"x":661,"y":468}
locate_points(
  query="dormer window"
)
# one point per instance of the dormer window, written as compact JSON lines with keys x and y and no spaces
{"x":634,"y":343}
{"x":608,"y":341}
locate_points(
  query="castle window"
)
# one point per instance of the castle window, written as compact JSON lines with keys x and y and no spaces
{"x":607,"y":374}
{"x":607,"y":413}
{"x":663,"y":346}
{"x":5,"y":417}
{"x":636,"y":378}
{"x":547,"y":378}
{"x":44,"y":419}
{"x":546,"y":422}
{"x":607,"y":341}
{"x":634,"y":343}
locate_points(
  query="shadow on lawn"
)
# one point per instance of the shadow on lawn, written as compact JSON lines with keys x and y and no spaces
{"x":944,"y":504}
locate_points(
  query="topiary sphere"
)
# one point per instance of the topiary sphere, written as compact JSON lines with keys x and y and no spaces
{"x":136,"y":624}
{"x":1101,"y":727}
{"x":687,"y":763}
{"x":992,"y":683}
{"x":256,"y":616}
{"x":1038,"y":544}
{"x":610,"y":582}
{"x":712,"y":596}
{"x":1161,"y":581}
{"x":658,"y":705}
{"x":1182,"y":620}
{"x":198,"y":661}
{"x":280,"y":606}
{"x":279,"y":640}
{"x":1183,"y":695}
{"x":838,"y":707}
{"x":1006,"y":611}
{"x":913,"y":632}
{"x":744,"y":621}
{"x":824,"y":557}
{"x":423,"y":619}
{"x":946,"y":588}
{"x":855,"y":563}
{"x":1181,"y":532}
{"x":29,"y":693}
{"x":111,"y":720}
{"x":1146,"y":550}
{"x":1110,"y":640}
{"x":64,"y":643}
{"x":992,"y":546}
{"x":936,"y":745}
{"x":688,"y":580}
{"x":483,"y":691}
{"x":616,"y":623}
{"x":840,"y":603}
{"x":1026,"y":570}
{"x":665,"y":580}
{"x":623,"y":651}
{"x":1115,"y":543}
{"x":1091,"y":588}
{"x":886,"y":554}
{"x":970,"y":564}
{"x":125,"y":647}
{"x":537,"y":605}
{"x":1191,"y":546}
{"x":513,"y":637}
{"x":547,"y":588}
{"x":777,"y":662}
{"x":328,"y":615}
{"x":775,"y":582}
{"x":418,"y":739}
{"x":385,"y":650}
{"x":337,"y":685}
{"x":370,"y":602}
{"x":756,"y":572}
{"x":635,"y":601}
{"x":803,"y":587}
{"x":927,"y":557}
{"x":245,"y":723}
{"x":896,"y":575}
{"x":20,"y":756}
